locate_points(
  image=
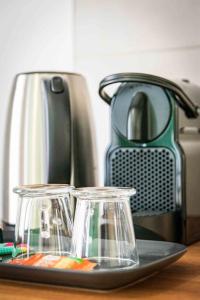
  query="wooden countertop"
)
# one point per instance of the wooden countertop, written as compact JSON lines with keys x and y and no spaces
{"x":180,"y":280}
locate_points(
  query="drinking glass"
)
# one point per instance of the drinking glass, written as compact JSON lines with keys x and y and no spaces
{"x":44,"y":220}
{"x":103,"y":230}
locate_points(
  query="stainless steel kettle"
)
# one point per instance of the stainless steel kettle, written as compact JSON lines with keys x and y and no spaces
{"x":50,"y":136}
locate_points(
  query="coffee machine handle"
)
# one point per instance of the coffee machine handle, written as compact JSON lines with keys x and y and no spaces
{"x":183,"y":100}
{"x":58,"y":130}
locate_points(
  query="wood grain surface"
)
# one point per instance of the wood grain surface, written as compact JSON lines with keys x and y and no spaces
{"x":179,"y":281}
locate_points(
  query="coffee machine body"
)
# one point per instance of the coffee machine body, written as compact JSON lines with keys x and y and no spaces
{"x":155,"y":147}
{"x":50,"y":136}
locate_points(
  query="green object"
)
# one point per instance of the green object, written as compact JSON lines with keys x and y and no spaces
{"x":145,"y":153}
{"x":16,"y":252}
{"x":6,"y":250}
{"x":76,"y":259}
{"x":164,"y":139}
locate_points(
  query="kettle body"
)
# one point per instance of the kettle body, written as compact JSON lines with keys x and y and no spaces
{"x":155,"y":141}
{"x":50,"y":135}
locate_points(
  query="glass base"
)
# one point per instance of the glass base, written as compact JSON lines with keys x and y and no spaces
{"x":104,"y":263}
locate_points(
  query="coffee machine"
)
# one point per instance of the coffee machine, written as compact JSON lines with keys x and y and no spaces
{"x":155,"y":147}
{"x":50,"y":135}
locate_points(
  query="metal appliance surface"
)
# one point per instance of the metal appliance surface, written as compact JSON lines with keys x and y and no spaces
{"x":189,"y":141}
{"x":50,"y":135}
{"x":155,"y":148}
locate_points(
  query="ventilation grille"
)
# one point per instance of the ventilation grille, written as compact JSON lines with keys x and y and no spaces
{"x":151,"y":171}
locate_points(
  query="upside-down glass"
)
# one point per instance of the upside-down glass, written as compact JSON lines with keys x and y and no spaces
{"x":44,"y":220}
{"x":103,"y":228}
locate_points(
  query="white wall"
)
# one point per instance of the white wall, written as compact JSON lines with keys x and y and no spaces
{"x":34,"y":35}
{"x":151,"y":36}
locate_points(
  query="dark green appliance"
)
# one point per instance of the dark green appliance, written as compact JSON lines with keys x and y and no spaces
{"x":155,"y":147}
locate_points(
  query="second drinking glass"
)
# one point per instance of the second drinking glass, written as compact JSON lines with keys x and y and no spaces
{"x":103,"y":229}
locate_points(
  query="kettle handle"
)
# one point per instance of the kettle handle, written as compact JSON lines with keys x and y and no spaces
{"x":59,"y":130}
{"x":191,"y":110}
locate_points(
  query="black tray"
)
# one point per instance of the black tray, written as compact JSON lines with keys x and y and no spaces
{"x":153,"y":255}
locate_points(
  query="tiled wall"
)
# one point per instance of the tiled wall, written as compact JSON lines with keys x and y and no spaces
{"x":151,"y":36}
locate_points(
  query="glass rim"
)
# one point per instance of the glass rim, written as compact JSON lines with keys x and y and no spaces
{"x":35,"y":190}
{"x":93,"y":193}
